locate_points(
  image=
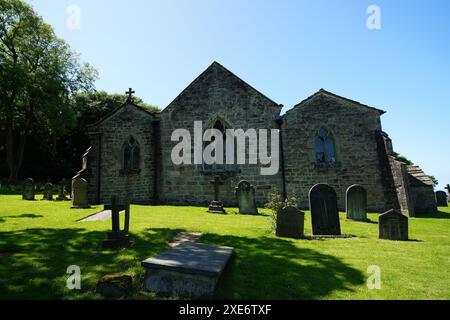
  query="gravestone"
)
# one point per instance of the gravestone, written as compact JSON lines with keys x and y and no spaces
{"x":79,"y":193}
{"x":62,"y":191}
{"x":324,"y":210}
{"x":118,"y":238}
{"x":393,"y":226}
{"x":216,"y":206}
{"x":356,"y":203}
{"x":48,"y":191}
{"x":245,"y":193}
{"x":441,"y":199}
{"x":290,"y":223}
{"x":190,"y":270}
{"x":28,"y":192}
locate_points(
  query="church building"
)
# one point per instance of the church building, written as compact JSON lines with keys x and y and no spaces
{"x":325,"y":138}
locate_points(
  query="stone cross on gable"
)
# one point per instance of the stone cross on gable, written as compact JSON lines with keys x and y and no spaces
{"x":448,"y":188}
{"x":130,"y":95}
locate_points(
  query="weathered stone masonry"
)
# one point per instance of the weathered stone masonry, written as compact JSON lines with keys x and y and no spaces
{"x":363,"y":151}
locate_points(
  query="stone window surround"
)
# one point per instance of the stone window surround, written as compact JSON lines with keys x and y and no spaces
{"x":324,"y":166}
{"x":132,"y":170}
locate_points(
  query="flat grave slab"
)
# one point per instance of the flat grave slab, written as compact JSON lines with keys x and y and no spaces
{"x":101,"y":216}
{"x":184,"y":237}
{"x":188,"y":270}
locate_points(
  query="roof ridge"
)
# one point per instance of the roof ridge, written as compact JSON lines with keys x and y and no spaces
{"x":323,"y":91}
{"x":215,"y":63}
{"x":113,"y":112}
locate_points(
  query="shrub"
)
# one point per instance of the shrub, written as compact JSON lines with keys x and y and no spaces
{"x":275,"y":203}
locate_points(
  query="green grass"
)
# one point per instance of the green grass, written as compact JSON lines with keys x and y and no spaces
{"x":40,"y":239}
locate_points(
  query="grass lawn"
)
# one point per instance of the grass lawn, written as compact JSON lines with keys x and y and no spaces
{"x":40,"y":239}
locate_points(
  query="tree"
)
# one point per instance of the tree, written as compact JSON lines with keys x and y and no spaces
{"x":38,"y":76}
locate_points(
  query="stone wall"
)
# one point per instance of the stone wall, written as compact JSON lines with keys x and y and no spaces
{"x":422,"y":190}
{"x":107,"y":140}
{"x":216,"y":94}
{"x":354,"y":128}
{"x":363,"y":151}
{"x":402,"y":187}
{"x":424,"y":199}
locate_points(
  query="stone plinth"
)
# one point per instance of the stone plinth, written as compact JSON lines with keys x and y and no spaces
{"x":116,"y":240}
{"x":216,"y":207}
{"x":189,"y":270}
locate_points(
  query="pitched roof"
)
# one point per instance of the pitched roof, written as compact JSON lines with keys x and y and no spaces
{"x":328,"y":93}
{"x":126,"y":103}
{"x":217,"y":66}
{"x":418,"y":178}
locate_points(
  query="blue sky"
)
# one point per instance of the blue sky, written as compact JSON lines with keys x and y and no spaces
{"x":286,"y":49}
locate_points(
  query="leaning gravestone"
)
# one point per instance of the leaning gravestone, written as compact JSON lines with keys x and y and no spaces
{"x":393,"y":226}
{"x":245,"y":193}
{"x":290,"y":223}
{"x":190,"y":270}
{"x":79,"y":193}
{"x":28,"y":191}
{"x":356,"y":203}
{"x":441,"y":199}
{"x":48,"y":191}
{"x":118,"y":238}
{"x":324,"y":210}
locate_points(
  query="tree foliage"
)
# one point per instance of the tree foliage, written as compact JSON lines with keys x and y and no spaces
{"x":39,"y":74}
{"x":59,"y":156}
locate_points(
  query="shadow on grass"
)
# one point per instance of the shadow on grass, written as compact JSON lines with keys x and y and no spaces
{"x":22,"y":216}
{"x":437,"y":215}
{"x":269,"y":268}
{"x":35,"y":262}
{"x":27,"y":215}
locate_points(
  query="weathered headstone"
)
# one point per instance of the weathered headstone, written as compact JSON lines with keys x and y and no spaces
{"x":28,"y":192}
{"x":290,"y":223}
{"x":118,"y":238}
{"x":393,"y":226}
{"x":48,"y":191}
{"x":356,"y":203}
{"x":245,"y":193}
{"x":79,"y":193}
{"x":441,"y":199}
{"x":216,"y":206}
{"x":324,"y":210}
{"x":62,"y":191}
{"x":189,"y":270}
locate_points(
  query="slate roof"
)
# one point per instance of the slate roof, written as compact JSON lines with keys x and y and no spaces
{"x":419,"y":178}
{"x":323,"y":91}
{"x":113,"y":112}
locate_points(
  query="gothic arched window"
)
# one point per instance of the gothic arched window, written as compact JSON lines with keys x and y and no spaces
{"x":222,"y":126}
{"x":131,"y":155}
{"x":325,"y":147}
